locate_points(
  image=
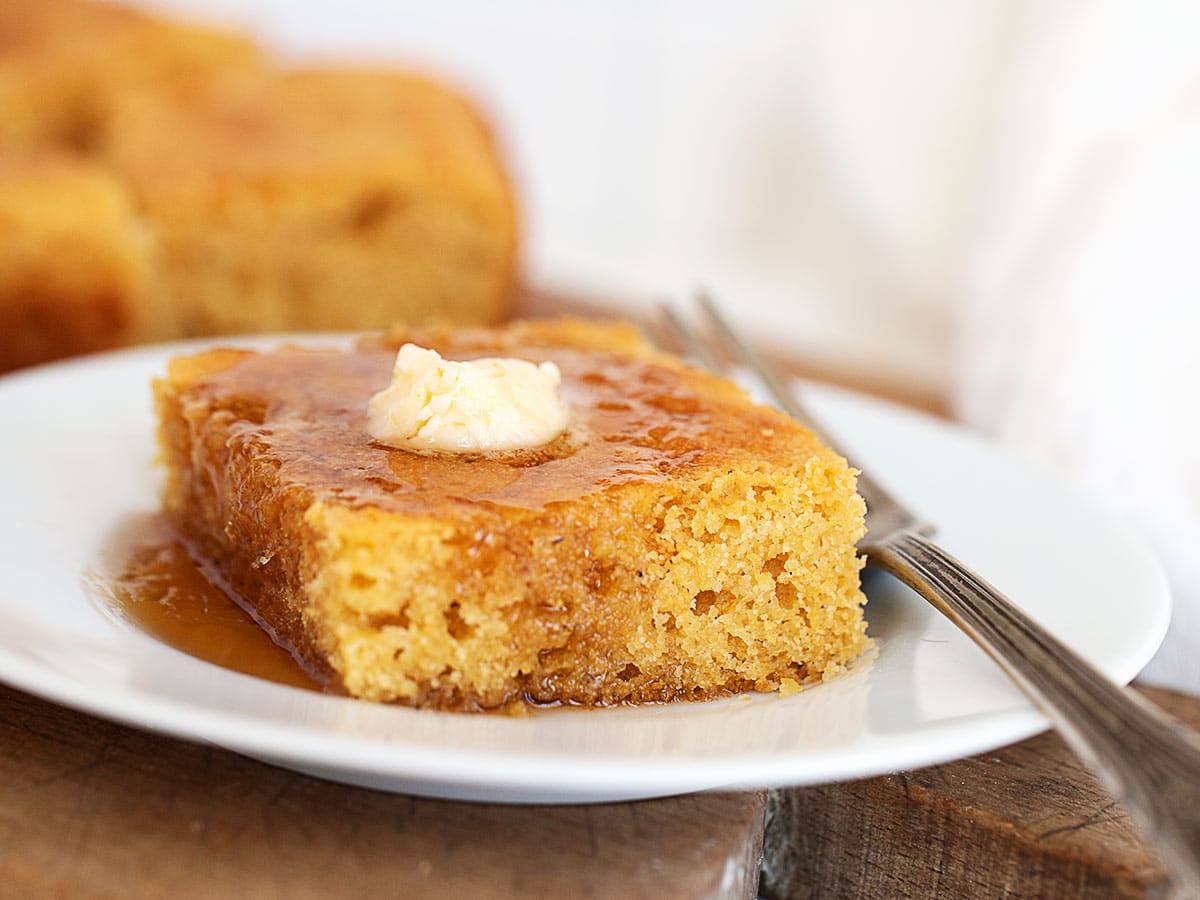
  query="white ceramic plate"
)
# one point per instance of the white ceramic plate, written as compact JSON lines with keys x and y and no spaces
{"x":76,"y":461}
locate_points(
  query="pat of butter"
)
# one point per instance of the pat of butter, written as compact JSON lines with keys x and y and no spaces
{"x":485,"y":404}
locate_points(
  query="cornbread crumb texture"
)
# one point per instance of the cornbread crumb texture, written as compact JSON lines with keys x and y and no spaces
{"x":272,"y":198}
{"x":692,"y":545}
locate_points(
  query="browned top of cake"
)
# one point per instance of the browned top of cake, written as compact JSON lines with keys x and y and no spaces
{"x":277,"y":126}
{"x":46,"y":33}
{"x":638,"y":417}
{"x":63,"y":61}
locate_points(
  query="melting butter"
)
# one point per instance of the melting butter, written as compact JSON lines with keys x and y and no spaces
{"x":480,"y":405}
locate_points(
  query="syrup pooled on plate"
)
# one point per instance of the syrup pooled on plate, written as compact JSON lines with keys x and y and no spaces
{"x":156,"y":586}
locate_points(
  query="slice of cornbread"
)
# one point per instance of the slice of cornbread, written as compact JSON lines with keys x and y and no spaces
{"x":322,"y":199}
{"x":679,"y":542}
{"x":73,"y":262}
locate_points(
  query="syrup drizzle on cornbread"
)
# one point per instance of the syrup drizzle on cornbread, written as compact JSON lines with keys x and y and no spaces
{"x":633,"y":409}
{"x":183,"y":609}
{"x":159,"y":588}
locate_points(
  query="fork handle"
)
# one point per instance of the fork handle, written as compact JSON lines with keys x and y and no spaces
{"x":1149,"y":762}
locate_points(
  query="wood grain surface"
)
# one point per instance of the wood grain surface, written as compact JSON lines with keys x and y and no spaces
{"x":1024,"y":821}
{"x":89,"y":809}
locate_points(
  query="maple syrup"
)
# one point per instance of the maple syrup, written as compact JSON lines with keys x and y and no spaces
{"x":154,"y":584}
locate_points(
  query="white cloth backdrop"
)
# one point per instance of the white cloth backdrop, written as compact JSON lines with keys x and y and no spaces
{"x":997,"y":199}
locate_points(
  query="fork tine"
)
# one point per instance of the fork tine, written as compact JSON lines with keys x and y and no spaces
{"x":691,"y":340}
{"x":753,"y":360}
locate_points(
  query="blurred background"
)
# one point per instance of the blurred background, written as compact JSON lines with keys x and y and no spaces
{"x":989,"y":209}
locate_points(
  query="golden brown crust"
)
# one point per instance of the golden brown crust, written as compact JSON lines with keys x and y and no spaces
{"x":369,"y":197}
{"x":602,"y":335}
{"x":691,"y":546}
{"x":73,"y":261}
{"x":63,"y":63}
{"x":270,"y":198}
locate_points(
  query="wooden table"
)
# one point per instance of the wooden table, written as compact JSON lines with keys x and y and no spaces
{"x":89,"y":809}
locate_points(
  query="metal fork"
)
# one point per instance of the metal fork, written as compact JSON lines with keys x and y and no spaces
{"x":1149,"y":762}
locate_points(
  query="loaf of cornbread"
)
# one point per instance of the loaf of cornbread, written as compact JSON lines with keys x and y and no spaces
{"x":319,"y":199}
{"x":678,"y":542}
{"x":266,"y":197}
